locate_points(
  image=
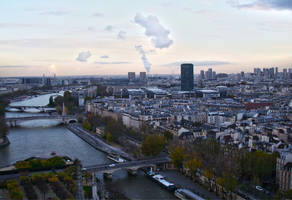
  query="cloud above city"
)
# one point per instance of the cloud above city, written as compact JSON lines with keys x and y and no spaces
{"x":153,"y":29}
{"x":83,"y":56}
{"x":122,"y":35}
{"x":263,"y":4}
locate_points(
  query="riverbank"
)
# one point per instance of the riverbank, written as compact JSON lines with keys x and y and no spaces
{"x":4,"y":142}
{"x":97,"y":143}
{"x":182,"y":181}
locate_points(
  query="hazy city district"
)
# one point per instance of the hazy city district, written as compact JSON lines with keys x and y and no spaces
{"x":197,"y":135}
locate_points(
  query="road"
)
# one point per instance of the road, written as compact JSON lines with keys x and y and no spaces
{"x":96,"y":142}
{"x":137,"y":163}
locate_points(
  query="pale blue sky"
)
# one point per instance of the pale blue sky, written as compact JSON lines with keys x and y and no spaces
{"x":70,"y":37}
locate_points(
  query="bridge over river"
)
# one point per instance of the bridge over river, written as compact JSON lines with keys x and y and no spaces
{"x":14,"y":121}
{"x":130,"y":166}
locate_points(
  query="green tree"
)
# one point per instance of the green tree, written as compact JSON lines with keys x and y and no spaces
{"x":109,"y":137}
{"x":152,"y":145}
{"x":80,"y":119}
{"x":193,"y":164}
{"x":229,"y":182}
{"x":168,"y":135}
{"x":86,"y":125}
{"x":14,"y":190}
{"x":287,"y":194}
{"x":177,"y":156}
{"x":51,"y":102}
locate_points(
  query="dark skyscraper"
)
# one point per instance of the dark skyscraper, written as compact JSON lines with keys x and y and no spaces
{"x":187,"y":77}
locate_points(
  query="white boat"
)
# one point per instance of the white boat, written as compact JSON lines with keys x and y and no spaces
{"x":116,"y":158}
{"x":164,"y":183}
{"x":185,"y":194}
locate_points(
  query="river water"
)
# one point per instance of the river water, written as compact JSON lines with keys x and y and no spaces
{"x":42,"y":137}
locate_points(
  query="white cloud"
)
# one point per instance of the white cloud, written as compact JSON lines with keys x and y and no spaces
{"x":262,"y":4}
{"x":153,"y":29}
{"x":147,"y":64}
{"x":83,"y":56}
{"x":109,"y":28}
{"x":122,"y":35}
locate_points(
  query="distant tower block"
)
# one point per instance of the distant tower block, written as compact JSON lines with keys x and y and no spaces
{"x":143,"y":76}
{"x":187,"y":77}
{"x":131,"y":76}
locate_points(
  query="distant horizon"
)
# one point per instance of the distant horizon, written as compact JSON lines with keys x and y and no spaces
{"x":126,"y":75}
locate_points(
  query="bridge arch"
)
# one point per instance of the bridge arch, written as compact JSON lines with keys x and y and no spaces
{"x":71,"y":121}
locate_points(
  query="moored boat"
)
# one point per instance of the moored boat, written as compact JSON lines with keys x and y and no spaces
{"x":116,"y":158}
{"x":185,"y":194}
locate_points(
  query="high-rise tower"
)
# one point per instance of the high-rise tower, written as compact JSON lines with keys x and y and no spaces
{"x":187,"y":77}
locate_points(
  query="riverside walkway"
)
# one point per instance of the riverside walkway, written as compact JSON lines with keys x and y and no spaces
{"x":96,"y":142}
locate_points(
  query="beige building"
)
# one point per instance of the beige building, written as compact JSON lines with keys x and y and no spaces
{"x":284,"y":169}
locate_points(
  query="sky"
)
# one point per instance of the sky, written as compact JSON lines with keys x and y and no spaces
{"x":93,"y":37}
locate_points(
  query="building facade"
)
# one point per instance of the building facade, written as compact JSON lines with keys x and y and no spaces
{"x":187,"y":77}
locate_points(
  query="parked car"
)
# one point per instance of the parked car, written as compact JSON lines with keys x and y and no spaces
{"x":259,"y":188}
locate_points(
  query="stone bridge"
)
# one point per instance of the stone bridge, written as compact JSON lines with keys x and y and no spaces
{"x":130,"y":166}
{"x":13,"y":121}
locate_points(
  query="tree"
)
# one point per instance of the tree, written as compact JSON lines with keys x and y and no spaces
{"x":152,"y":145}
{"x":80,"y":119}
{"x":14,"y":190}
{"x":193,"y":164}
{"x":51,"y":102}
{"x":86,"y":125}
{"x":229,"y":182}
{"x":109,"y":137}
{"x":287,"y":194}
{"x":168,"y":135}
{"x":3,"y":128}
{"x":177,"y":156}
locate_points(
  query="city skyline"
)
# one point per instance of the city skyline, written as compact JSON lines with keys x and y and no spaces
{"x":99,"y":38}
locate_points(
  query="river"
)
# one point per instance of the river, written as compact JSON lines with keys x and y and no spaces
{"x":40,"y":138}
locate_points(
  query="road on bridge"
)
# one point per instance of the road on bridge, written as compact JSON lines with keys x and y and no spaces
{"x":109,"y":167}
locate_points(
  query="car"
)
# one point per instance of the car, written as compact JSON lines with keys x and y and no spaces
{"x":112,"y":165}
{"x":84,"y":168}
{"x":259,"y":188}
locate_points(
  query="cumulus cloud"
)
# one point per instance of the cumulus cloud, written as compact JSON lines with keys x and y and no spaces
{"x":104,"y":56}
{"x":122,"y":35}
{"x":147,"y":64}
{"x":153,"y":29}
{"x":198,"y":63}
{"x":111,"y":63}
{"x":262,"y":4}
{"x":83,"y":56}
{"x":109,"y":28}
